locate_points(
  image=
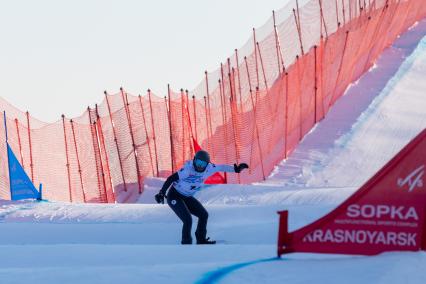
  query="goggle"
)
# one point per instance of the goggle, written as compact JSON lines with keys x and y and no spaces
{"x":200,"y":163}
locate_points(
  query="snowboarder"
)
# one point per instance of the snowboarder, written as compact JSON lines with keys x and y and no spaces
{"x":183,"y":185}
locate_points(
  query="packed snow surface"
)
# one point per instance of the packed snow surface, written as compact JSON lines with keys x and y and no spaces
{"x":52,"y":242}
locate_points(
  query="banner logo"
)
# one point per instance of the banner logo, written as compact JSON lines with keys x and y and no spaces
{"x":413,"y":179}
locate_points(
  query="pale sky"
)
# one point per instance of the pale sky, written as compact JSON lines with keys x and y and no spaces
{"x":59,"y":56}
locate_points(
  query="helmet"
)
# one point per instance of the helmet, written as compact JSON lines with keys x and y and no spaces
{"x":201,"y":160}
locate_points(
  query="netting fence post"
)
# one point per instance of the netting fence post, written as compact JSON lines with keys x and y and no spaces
{"x":261,"y":65}
{"x":208,"y":115}
{"x":337,"y":14}
{"x":207,"y":124}
{"x":257,"y":133}
{"x":299,"y":28}
{"x":339,"y":70}
{"x":169,"y":117}
{"x":251,"y":97}
{"x":68,"y":163}
{"x":30,"y":145}
{"x":78,"y":160}
{"x":146,"y":135}
{"x":322,"y":20}
{"x":129,"y":123}
{"x":183,"y":123}
{"x":286,"y":117}
{"x":222,"y":105}
{"x":194,"y":105}
{"x":239,"y":79}
{"x":19,"y":142}
{"x":98,"y":156}
{"x":343,"y":12}
{"x":153,"y":132}
{"x":276,"y":42}
{"x":316,"y":84}
{"x":191,"y":131}
{"x":100,"y":141}
{"x":255,"y":57}
{"x":299,"y":95}
{"x":234,"y":123}
{"x":116,"y":142}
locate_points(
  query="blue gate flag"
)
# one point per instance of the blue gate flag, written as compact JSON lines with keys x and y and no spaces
{"x":21,"y":186}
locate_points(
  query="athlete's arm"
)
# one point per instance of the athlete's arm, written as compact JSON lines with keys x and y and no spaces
{"x":174,"y":177}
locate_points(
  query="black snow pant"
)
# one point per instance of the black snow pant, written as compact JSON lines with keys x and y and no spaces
{"x":184,"y":206}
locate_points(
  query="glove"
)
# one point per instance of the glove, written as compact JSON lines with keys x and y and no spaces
{"x":240,"y":167}
{"x":159,"y":198}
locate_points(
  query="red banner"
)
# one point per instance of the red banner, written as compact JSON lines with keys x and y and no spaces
{"x":386,"y":214}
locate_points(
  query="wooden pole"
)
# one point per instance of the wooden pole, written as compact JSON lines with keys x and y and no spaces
{"x":101,"y":147}
{"x":172,"y":155}
{"x":19,"y":142}
{"x":78,"y":161}
{"x":146,"y":135}
{"x":116,"y":142}
{"x":129,"y":123}
{"x":68,"y":163}
{"x":30,"y":145}
{"x":153,"y":132}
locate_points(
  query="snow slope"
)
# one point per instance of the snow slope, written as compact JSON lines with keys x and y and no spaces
{"x":139,"y":243}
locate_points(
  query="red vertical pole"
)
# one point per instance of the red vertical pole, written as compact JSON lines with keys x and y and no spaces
{"x":129,"y":122}
{"x":153,"y":131}
{"x":251,"y":97}
{"x":207,"y":120}
{"x":182,"y":101}
{"x":222,"y":89}
{"x":339,"y":70}
{"x":195,"y":117}
{"x":299,"y":32}
{"x":30,"y":145}
{"x":190,"y":132}
{"x":263,"y":69}
{"x":146,"y":135}
{"x":208,"y":113}
{"x":277,"y":45}
{"x":78,"y":161}
{"x":68,"y":163}
{"x":257,"y":134}
{"x":299,"y":94}
{"x":97,"y":155}
{"x":286,"y":117}
{"x":316,"y":84}
{"x":100,"y":138}
{"x":322,"y":19}
{"x":19,"y":142}
{"x":239,"y":80}
{"x":224,"y":122}
{"x":337,"y":14}
{"x":116,"y":142}
{"x":169,"y":116}
{"x":255,"y":57}
{"x":253,"y":103}
{"x":234,"y":123}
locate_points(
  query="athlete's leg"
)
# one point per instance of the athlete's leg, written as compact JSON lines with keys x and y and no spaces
{"x":197,"y":209}
{"x":176,"y":202}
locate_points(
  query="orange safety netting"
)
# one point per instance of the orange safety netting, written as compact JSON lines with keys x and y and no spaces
{"x":255,"y":108}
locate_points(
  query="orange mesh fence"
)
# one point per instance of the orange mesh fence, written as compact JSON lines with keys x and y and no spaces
{"x":255,"y":108}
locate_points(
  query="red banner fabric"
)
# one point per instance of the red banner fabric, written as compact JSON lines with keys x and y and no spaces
{"x":217,"y":178}
{"x":386,"y":214}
